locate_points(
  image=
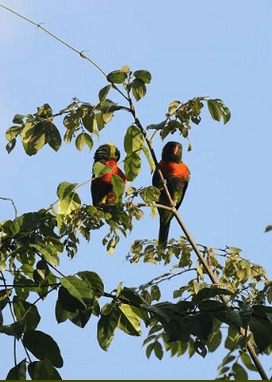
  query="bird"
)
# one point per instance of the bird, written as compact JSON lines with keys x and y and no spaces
{"x":177,"y":176}
{"x":101,"y":187}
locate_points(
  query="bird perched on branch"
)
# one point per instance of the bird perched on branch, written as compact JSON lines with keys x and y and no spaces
{"x":177,"y":176}
{"x":102,"y":189}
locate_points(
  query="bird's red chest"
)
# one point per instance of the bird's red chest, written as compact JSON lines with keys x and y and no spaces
{"x":115,"y":170}
{"x":174,"y":169}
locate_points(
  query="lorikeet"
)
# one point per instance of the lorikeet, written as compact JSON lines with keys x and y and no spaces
{"x":101,"y":188}
{"x":177,"y":176}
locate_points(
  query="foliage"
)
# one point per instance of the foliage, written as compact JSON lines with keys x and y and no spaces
{"x":31,"y":246}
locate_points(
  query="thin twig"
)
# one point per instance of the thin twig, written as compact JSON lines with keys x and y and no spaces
{"x":12,"y":202}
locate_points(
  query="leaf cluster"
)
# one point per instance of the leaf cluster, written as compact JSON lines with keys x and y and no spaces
{"x":32,"y":244}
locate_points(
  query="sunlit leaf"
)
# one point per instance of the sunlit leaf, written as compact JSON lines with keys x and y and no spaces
{"x":99,"y":169}
{"x":132,"y":166}
{"x":117,"y":76}
{"x":103,"y":93}
{"x":12,"y":132}
{"x":138,"y":89}
{"x":69,"y":200}
{"x":143,"y":75}
{"x":77,"y":288}
{"x":93,"y":280}
{"x":133,"y":140}
{"x":107,"y":325}
{"x":173,"y":106}
{"x":129,"y":320}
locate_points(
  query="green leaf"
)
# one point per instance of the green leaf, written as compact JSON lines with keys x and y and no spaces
{"x":94,"y":281}
{"x":43,"y":347}
{"x":247,"y":361}
{"x":132,"y":166}
{"x":149,"y":158}
{"x":133,"y":140}
{"x":107,"y":325}
{"x":103,"y":93}
{"x":69,"y":200}
{"x":200,"y":325}
{"x":200,"y":348}
{"x":214,"y":341}
{"x":69,"y":307}
{"x":150,"y":194}
{"x":172,"y":107}
{"x":4,"y":296}
{"x":239,"y":372}
{"x":158,"y":350}
{"x":45,"y":111}
{"x":214,"y":109}
{"x":77,"y":288}
{"x":18,"y":118}
{"x":53,"y":137}
{"x":206,"y":292}
{"x":89,"y":122}
{"x":117,"y":76}
{"x":143,"y":75}
{"x":82,"y":139}
{"x":16,"y":329}
{"x":18,"y":372}
{"x":99,"y":169}
{"x":262,"y":332}
{"x":28,"y":312}
{"x":33,"y":137}
{"x":43,"y":370}
{"x":12,"y":132}
{"x":10,"y":145}
{"x":48,"y":251}
{"x":149,"y":349}
{"x":117,"y":184}
{"x":268,"y":228}
{"x":107,"y":109}
{"x":138,"y":89}
{"x":129,"y":320}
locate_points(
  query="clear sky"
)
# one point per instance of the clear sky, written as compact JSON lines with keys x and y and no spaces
{"x":192,"y":48}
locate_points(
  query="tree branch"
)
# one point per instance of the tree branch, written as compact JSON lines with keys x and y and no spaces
{"x":13,"y":204}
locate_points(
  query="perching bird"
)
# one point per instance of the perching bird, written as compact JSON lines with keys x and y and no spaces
{"x":102,"y":188}
{"x":177,"y":176}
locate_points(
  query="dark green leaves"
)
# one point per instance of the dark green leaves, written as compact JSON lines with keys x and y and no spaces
{"x":113,"y":316}
{"x":218,"y":110}
{"x":117,"y":76}
{"x":43,"y":370}
{"x":18,"y":372}
{"x":77,"y":298}
{"x":43,"y":347}
{"x":181,"y":115}
{"x":35,"y":131}
{"x":143,"y":75}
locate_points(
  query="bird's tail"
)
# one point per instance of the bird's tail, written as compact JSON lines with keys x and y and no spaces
{"x":163,"y":233}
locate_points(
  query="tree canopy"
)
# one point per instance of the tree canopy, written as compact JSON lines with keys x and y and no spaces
{"x":223,"y":287}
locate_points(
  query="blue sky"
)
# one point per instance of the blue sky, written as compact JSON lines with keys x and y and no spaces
{"x":212,"y":48}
